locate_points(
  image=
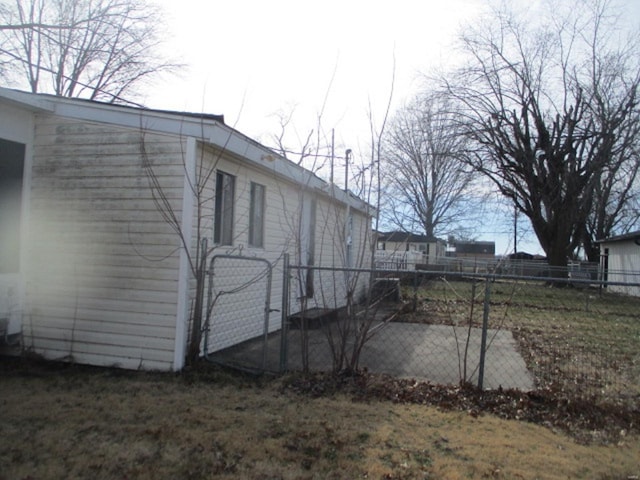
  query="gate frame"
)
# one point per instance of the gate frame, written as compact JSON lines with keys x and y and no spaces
{"x":211,"y":303}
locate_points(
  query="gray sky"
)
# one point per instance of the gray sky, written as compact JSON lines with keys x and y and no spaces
{"x":253,"y":59}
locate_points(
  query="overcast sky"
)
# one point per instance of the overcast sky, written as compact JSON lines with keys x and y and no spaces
{"x":251,"y":59}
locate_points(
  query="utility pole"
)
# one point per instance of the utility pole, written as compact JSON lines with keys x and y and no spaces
{"x":332,"y":155}
{"x":347,"y":156}
{"x":348,"y":226}
{"x":515,"y":228}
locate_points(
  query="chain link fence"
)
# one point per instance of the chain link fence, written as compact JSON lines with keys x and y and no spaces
{"x":239,"y":316}
{"x":568,"y":333}
{"x":574,"y":336}
{"x":388,"y":332}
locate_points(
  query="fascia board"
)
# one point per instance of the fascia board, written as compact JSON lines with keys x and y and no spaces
{"x":27,"y":101}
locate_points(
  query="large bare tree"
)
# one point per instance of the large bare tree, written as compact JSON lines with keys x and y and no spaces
{"x":552,"y":106}
{"x":428,"y":185}
{"x":95,"y":49}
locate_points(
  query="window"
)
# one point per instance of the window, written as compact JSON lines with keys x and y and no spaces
{"x":11,"y":174}
{"x":223,"y":224}
{"x":256,"y":216}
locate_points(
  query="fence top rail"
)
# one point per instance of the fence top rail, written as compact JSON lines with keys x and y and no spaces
{"x":240,"y":257}
{"x":468,"y":275}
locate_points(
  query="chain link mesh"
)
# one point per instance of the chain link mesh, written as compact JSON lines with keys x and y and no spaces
{"x":574,"y":337}
{"x":238,"y":312}
{"x":571,"y":335}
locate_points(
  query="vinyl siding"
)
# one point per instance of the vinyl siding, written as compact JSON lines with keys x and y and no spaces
{"x":102,"y":262}
{"x":624,"y":266}
{"x":103,"y":278}
{"x":240,"y":316}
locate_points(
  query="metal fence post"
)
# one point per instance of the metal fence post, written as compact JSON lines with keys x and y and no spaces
{"x":415,"y":290}
{"x":284,"y":327}
{"x":485,"y":325}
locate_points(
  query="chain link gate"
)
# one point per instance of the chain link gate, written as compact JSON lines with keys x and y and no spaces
{"x":236,"y":329}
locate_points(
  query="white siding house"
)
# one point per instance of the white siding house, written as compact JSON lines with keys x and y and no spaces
{"x":91,"y":267}
{"x":408,"y":249}
{"x":620,"y":262}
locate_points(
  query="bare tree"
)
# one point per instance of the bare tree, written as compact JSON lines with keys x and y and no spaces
{"x":343,"y":285}
{"x":551,"y":110}
{"x":616,"y":207}
{"x":95,"y":49}
{"x":198,"y":181}
{"x":307,"y":147}
{"x":613,"y":89}
{"x":427,"y":181}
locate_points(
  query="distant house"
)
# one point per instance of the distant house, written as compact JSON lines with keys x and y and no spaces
{"x":92,"y":271}
{"x":525,"y":264}
{"x":620,"y":262}
{"x":478,"y":250}
{"x":395,"y":242}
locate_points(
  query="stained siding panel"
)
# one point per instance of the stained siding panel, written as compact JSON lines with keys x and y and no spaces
{"x":103,"y":262}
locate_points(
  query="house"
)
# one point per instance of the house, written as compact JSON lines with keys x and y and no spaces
{"x":620,"y":262}
{"x":398,"y":242}
{"x":97,"y":204}
{"x":476,"y":250}
{"x":524,"y":264}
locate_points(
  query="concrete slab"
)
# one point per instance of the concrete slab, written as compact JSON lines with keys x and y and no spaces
{"x":434,"y":353}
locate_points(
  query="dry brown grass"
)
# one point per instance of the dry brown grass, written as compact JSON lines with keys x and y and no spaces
{"x":72,"y":422}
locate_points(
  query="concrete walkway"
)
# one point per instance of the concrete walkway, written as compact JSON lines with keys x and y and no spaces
{"x":433,"y":353}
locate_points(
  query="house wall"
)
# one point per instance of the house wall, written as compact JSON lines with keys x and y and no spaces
{"x":102,"y":262}
{"x":240,"y":316}
{"x":624,"y":266}
{"x":345,"y":240}
{"x":476,"y":256}
{"x":435,"y":250}
{"x":107,"y":281}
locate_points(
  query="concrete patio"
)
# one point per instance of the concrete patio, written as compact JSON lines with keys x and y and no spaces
{"x":433,"y":353}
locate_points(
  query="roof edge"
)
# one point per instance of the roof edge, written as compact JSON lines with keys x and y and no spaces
{"x":206,"y":128}
{"x":635,"y":235}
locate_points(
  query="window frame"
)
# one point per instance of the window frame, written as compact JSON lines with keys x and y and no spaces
{"x":257,"y":209}
{"x":224,"y":208}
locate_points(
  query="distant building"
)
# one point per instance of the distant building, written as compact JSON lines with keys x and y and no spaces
{"x":399,"y":242}
{"x":475,"y":249}
{"x":620,"y":262}
{"x":526,"y":264}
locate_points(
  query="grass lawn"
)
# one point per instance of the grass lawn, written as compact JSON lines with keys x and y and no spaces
{"x":576,"y":341}
{"x":73,"y":422}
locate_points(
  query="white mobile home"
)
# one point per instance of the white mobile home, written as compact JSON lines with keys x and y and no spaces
{"x":97,"y":201}
{"x":620,"y":262}
{"x":431,"y":249}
